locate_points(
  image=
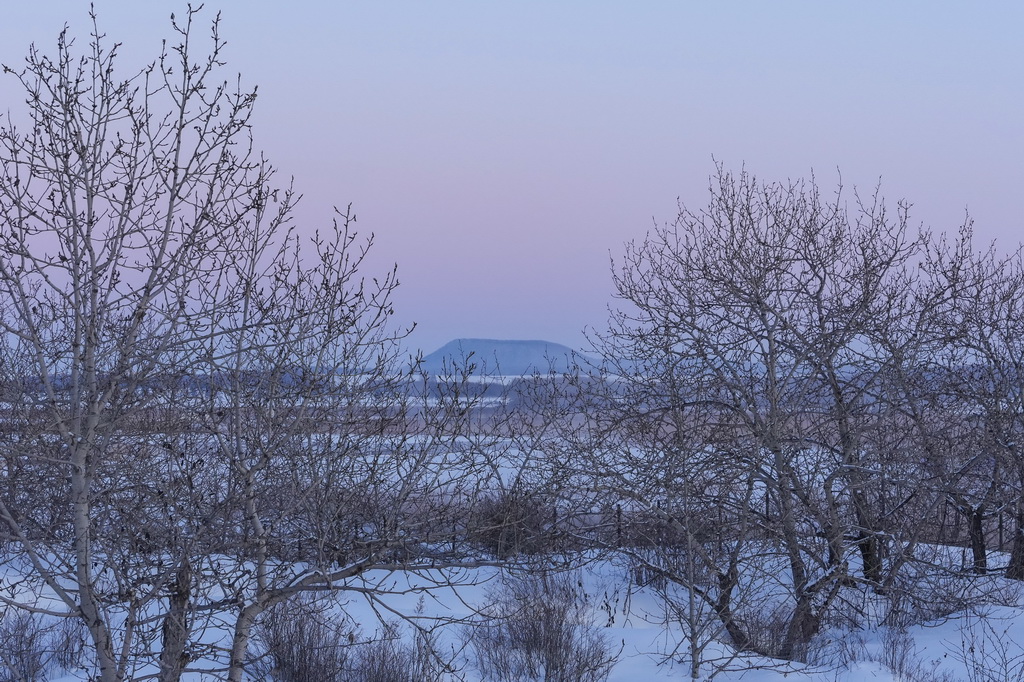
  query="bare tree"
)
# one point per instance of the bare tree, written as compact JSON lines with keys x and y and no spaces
{"x":673,"y":488}
{"x":205,"y":413}
{"x":116,"y":197}
{"x":773,"y":309}
{"x":985,"y":324}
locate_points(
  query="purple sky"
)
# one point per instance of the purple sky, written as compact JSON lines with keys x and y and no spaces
{"x":501,"y":152}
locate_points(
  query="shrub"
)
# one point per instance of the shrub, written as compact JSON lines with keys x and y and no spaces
{"x":33,"y":648}
{"x":538,"y":628}
{"x":302,"y":643}
{"x":513,"y":523}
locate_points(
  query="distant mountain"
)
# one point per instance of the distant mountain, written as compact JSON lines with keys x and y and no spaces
{"x":508,"y":358}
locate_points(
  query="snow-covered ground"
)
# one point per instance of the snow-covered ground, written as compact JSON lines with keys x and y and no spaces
{"x":980,"y":644}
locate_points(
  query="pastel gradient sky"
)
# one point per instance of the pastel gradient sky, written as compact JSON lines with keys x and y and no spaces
{"x":502,"y":152}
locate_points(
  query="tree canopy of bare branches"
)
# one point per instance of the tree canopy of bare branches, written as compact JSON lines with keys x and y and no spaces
{"x":785,"y":376}
{"x":206,"y":411}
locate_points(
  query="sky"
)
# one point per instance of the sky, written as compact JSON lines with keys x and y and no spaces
{"x":502,"y":153}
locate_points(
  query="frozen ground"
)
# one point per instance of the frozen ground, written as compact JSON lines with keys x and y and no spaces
{"x":983,"y":644}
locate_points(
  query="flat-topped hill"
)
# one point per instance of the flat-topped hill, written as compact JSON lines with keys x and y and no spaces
{"x":505,"y":357}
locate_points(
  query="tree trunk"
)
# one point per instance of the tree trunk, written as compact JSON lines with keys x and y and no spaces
{"x":977,"y":535}
{"x":1015,"y":570}
{"x":802,"y":628}
{"x":88,"y":603}
{"x":176,"y":626}
{"x":868,"y":542}
{"x":871,"y":556}
{"x":240,"y":641}
{"x":727,"y":582}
